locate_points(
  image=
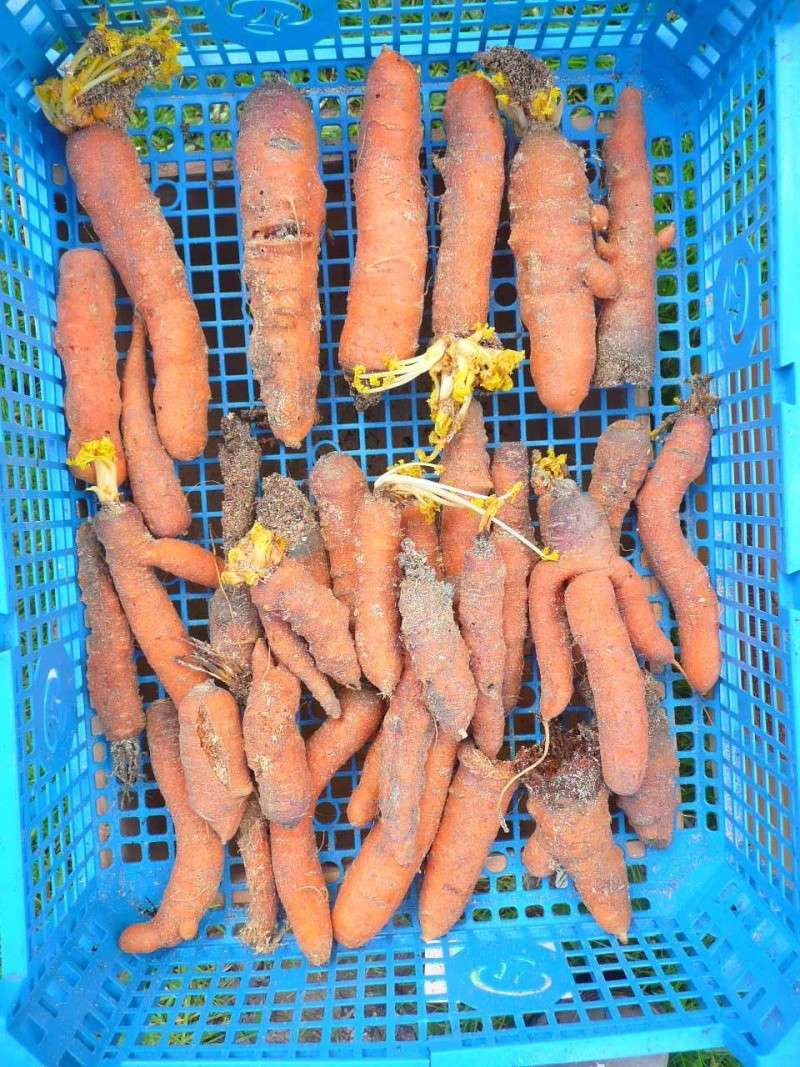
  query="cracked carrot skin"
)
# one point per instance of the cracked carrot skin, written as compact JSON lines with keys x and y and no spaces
{"x":423,"y":534}
{"x":375,"y":883}
{"x":199,"y":854}
{"x":683,"y":577}
{"x":86,"y":314}
{"x":465,"y":464}
{"x":212,"y":754}
{"x":155,"y":487}
{"x":252,"y":841}
{"x":559,"y":274}
{"x":474,"y":176}
{"x":480,"y":616}
{"x":275,"y":748}
{"x":621,"y":461}
{"x":384,"y":305}
{"x":510,"y":465}
{"x":283,"y":214}
{"x":377,"y":619}
{"x":471,"y":820}
{"x":339,"y":485}
{"x":362,"y":807}
{"x":136,"y":237}
{"x":627,"y":329}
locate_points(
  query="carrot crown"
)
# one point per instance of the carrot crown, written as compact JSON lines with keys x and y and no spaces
{"x":102,"y":80}
{"x":457,"y":366}
{"x":102,"y":453}
{"x":254,"y":556}
{"x":547,"y":467}
{"x":524,"y":88}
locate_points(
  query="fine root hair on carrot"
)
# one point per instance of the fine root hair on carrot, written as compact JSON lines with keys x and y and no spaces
{"x":569,"y":803}
{"x":363,"y":805}
{"x":375,"y":611}
{"x":252,"y":840}
{"x":438,"y":653}
{"x":110,"y":667}
{"x":338,"y":485}
{"x":468,"y":828}
{"x":621,"y":460}
{"x":199,"y":854}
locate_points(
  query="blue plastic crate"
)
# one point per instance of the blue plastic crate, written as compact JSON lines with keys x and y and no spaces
{"x":526,"y":978}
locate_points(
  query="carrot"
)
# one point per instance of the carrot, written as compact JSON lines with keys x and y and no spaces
{"x":480,"y":615}
{"x":292,"y":653}
{"x":651,"y":809}
{"x":86,"y":313}
{"x":384,"y":305}
{"x":423,"y":534}
{"x":475,"y":806}
{"x":466,"y":466}
{"x":510,"y":466}
{"x":212,"y":754}
{"x":552,"y":220}
{"x":240,"y":463}
{"x":627,"y":330}
{"x":438,"y":654}
{"x":338,"y":486}
{"x":154,"y":485}
{"x":406,"y":737}
{"x":621,"y":461}
{"x":199,"y":855}
{"x":336,"y":740}
{"x":375,"y":883}
{"x":569,"y":803}
{"x":275,"y":748}
{"x":681,"y":574}
{"x":284,"y":509}
{"x":363,"y":805}
{"x":377,"y":619}
{"x":262,"y":906}
{"x":110,"y":667}
{"x":283,"y":214}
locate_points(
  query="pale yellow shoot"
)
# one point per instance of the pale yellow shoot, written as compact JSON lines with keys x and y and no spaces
{"x":252,"y":558}
{"x":102,"y":453}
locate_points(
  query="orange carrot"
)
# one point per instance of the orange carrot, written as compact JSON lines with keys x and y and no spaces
{"x":336,"y":740}
{"x":476,"y":803}
{"x":110,"y":667}
{"x":627,"y":330}
{"x":423,"y":534}
{"x":375,"y":883}
{"x":683,"y":577}
{"x":406,"y":737}
{"x":363,"y":804}
{"x":262,"y":906}
{"x":212,"y":754}
{"x":509,"y":466}
{"x":465,"y":466}
{"x":480,"y":615}
{"x":439,"y":656}
{"x":384,"y":306}
{"x":292,"y":653}
{"x":275,"y":748}
{"x":338,"y":486}
{"x":154,"y":485}
{"x":474,"y":177}
{"x":86,"y":313}
{"x":621,"y":461}
{"x":283,"y":213}
{"x":199,"y":855}
{"x":377,"y":619}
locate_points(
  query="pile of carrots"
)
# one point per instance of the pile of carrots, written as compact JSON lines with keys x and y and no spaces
{"x":405,"y":609}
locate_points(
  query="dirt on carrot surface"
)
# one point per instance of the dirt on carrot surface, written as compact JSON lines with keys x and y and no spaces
{"x":284,"y":509}
{"x":570,"y":773}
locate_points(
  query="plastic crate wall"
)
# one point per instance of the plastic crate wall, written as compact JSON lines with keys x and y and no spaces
{"x":713,"y":954}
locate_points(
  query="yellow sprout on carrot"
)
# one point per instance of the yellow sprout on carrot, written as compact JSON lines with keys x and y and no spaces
{"x":103,"y":455}
{"x":254,"y":556}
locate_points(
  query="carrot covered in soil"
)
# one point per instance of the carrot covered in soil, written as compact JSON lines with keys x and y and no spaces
{"x":199,"y":854}
{"x":384,"y":305}
{"x":155,"y":487}
{"x":92,"y":105}
{"x":423,"y":533}
{"x":621,"y":460}
{"x":652,"y":808}
{"x":438,"y":653}
{"x":476,"y":804}
{"x":262,"y":906}
{"x":86,"y":314}
{"x":110,"y":666}
{"x":465,"y":465}
{"x":375,"y":883}
{"x":569,"y":803}
{"x":510,"y":466}
{"x":683,"y":577}
{"x":339,"y":485}
{"x":627,"y":330}
{"x":480,"y":616}
{"x":377,"y":619}
{"x":559,"y":274}
{"x":283,"y":214}
{"x":212,"y":753}
{"x":275,"y":748}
